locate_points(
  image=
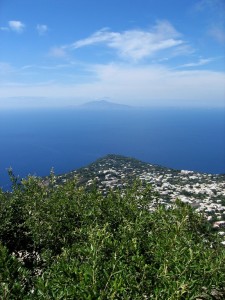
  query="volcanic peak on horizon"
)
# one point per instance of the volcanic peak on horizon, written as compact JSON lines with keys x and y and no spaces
{"x":104,"y":104}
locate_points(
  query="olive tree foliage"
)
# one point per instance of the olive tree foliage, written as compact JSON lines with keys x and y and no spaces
{"x":63,"y":242}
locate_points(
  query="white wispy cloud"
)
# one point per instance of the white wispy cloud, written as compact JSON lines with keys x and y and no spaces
{"x":42,"y":29}
{"x":200,"y":62}
{"x":16,"y":26}
{"x":48,"y":67}
{"x":135,"y":44}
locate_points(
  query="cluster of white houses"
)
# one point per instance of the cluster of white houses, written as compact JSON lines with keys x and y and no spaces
{"x":205,"y":192}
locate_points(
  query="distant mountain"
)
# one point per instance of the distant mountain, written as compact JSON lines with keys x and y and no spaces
{"x":103,"y":105}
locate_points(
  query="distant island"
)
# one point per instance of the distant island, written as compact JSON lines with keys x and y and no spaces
{"x":103,"y":105}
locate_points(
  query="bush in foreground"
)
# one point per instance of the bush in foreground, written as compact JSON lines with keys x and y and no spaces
{"x":66,"y":243}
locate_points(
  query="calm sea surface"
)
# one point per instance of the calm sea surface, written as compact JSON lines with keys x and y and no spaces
{"x":34,"y":141}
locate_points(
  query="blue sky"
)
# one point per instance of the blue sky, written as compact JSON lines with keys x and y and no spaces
{"x":138,"y":52}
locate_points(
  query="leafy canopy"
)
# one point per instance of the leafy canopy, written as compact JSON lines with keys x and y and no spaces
{"x":63,"y":242}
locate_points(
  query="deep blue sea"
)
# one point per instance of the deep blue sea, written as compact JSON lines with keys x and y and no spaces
{"x":34,"y":141}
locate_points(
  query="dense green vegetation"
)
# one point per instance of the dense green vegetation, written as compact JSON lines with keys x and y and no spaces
{"x":67,"y":243}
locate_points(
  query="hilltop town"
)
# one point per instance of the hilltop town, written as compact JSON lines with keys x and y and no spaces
{"x":205,"y":192}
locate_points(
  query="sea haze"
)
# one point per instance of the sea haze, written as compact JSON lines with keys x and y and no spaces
{"x":34,"y":141}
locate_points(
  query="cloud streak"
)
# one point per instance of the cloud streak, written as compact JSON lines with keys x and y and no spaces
{"x":135,"y":44}
{"x":200,"y":62}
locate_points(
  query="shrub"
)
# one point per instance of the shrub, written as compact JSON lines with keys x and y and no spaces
{"x":83,"y":245}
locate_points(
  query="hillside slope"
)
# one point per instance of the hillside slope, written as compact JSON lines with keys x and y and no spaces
{"x":205,"y":192}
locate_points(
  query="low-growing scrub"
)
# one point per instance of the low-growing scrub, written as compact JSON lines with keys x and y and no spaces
{"x":67,"y":243}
